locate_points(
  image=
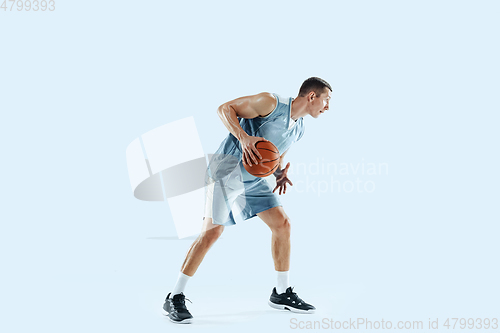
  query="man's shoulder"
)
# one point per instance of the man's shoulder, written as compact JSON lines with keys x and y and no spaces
{"x":267,"y":102}
{"x":276,"y":98}
{"x":268,"y":98}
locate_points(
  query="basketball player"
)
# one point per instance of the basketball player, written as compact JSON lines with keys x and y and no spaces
{"x":231,"y":191}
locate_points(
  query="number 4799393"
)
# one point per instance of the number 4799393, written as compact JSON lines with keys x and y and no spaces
{"x":28,"y":5}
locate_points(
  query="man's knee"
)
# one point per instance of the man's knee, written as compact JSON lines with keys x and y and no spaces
{"x":213,"y":233}
{"x":283,"y":226}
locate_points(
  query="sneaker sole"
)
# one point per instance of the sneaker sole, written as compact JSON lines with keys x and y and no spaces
{"x":289,"y":308}
{"x":185,"y":321}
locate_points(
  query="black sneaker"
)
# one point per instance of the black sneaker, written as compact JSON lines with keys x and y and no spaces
{"x":289,"y":301}
{"x":176,"y":310}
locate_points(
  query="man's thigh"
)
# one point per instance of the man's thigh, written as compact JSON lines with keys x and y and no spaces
{"x":220,"y":199}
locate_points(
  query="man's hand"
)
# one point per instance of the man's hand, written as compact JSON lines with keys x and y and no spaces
{"x":251,"y":154}
{"x":282,"y":179}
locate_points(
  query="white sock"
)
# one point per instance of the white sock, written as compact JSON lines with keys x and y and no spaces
{"x":181,"y":283}
{"x":282,"y":282}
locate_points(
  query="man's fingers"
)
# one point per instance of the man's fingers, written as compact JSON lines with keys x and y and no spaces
{"x":289,"y":181}
{"x":246,"y":159}
{"x":251,"y":157}
{"x":256,"y":151}
{"x":254,"y":158}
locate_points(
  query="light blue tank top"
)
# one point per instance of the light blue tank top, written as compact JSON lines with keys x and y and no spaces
{"x":274,"y":127}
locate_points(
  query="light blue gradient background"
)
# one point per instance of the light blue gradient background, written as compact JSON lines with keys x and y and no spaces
{"x":416,"y":86}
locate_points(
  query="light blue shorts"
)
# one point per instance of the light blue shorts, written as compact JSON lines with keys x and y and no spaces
{"x":230,"y":200}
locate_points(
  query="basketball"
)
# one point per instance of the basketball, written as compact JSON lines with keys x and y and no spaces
{"x":269,"y":162}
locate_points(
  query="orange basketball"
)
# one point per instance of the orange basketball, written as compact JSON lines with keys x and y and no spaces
{"x":269,"y":162}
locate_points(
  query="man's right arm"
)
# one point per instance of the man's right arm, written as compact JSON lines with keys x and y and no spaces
{"x":247,"y":107}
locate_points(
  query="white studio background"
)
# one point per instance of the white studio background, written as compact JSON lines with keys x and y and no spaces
{"x":415,"y":93}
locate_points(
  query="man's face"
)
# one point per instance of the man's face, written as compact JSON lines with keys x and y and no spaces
{"x":319,"y":104}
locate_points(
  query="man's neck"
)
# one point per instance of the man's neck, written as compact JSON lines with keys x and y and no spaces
{"x":298,"y":108}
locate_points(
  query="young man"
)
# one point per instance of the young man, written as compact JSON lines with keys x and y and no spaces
{"x":231,"y":191}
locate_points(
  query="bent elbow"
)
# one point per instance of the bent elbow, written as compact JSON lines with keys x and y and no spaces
{"x":225,"y":110}
{"x":222,"y":109}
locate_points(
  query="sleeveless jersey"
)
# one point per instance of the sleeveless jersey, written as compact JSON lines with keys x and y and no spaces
{"x":277,"y":127}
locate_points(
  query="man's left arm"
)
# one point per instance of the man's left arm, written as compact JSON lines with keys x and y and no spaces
{"x":280,"y":164}
{"x":281,"y":175}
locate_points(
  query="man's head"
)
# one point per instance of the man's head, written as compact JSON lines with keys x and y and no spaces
{"x":317,"y":92}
